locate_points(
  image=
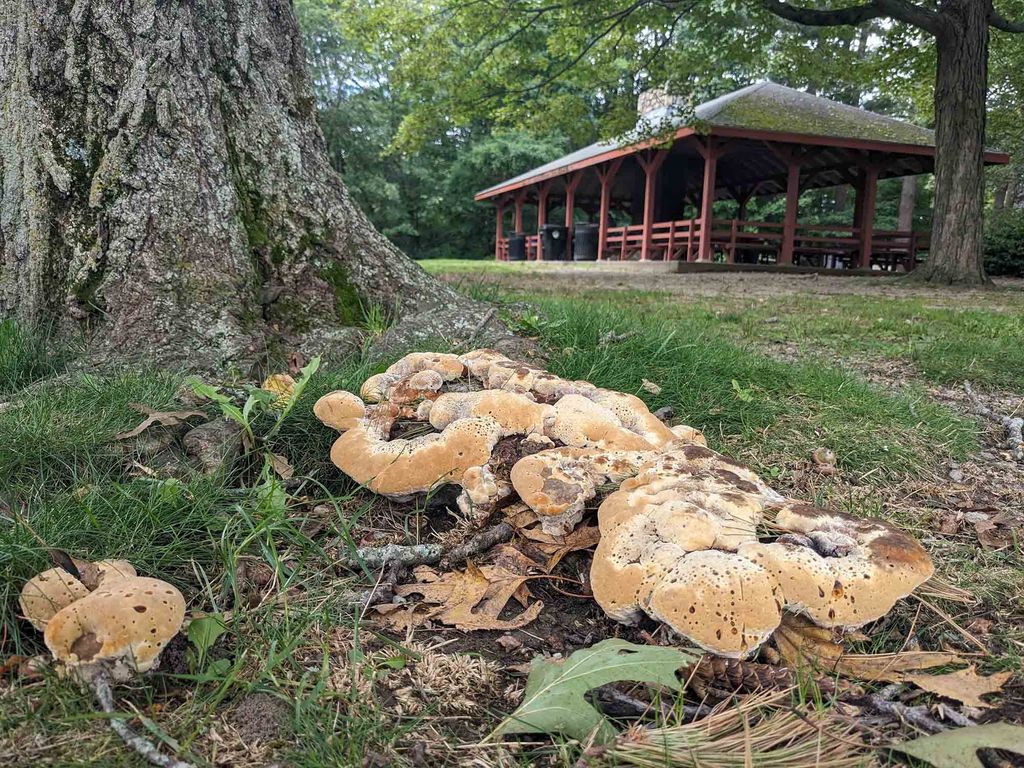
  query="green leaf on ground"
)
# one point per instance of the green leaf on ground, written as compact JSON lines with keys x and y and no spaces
{"x":959,"y":748}
{"x":553,"y":701}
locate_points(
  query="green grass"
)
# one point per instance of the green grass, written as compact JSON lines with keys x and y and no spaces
{"x":945,"y":338}
{"x":25,"y":357}
{"x":945,"y":345}
{"x":768,"y":412}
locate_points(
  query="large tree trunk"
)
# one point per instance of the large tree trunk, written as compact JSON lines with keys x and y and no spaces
{"x":960,"y":83}
{"x":166,"y":194}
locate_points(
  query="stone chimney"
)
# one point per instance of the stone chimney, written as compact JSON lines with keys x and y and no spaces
{"x":653,"y":99}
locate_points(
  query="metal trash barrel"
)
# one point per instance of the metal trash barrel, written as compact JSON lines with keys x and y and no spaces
{"x":516,"y":246}
{"x":584,"y":242}
{"x":552,"y":238}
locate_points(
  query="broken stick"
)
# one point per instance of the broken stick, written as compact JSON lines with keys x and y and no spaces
{"x":375,"y":558}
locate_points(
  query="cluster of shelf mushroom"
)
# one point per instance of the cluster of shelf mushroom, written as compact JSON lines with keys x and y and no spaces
{"x":681,"y":537}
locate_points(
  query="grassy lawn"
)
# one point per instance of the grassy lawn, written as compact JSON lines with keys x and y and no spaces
{"x":292,"y":636}
{"x":945,"y":337}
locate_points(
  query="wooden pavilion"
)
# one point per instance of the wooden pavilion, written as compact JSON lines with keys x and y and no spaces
{"x":765,"y":139}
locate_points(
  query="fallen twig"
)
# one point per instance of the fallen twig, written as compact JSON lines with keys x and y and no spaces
{"x":1014,"y":425}
{"x":615,"y":703}
{"x":918,"y":716}
{"x":141,"y":745}
{"x":375,"y":558}
{"x":614,"y":337}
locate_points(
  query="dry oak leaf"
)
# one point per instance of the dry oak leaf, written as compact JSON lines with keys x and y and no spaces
{"x":964,"y":685}
{"x":557,"y":547}
{"x":801,"y":643}
{"x":470,"y":599}
{"x":164,"y":418}
{"x":282,"y":466}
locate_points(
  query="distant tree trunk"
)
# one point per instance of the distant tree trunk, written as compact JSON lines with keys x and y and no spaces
{"x":908,"y":199}
{"x":960,"y":85}
{"x":1000,"y":197}
{"x":166,"y":193}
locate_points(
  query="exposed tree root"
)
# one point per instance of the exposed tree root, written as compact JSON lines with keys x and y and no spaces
{"x":1014,"y":425}
{"x":142,"y":746}
{"x":428,"y":554}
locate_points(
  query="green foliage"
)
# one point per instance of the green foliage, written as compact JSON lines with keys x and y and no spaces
{"x":959,"y":748}
{"x":26,"y":357}
{"x":553,"y":700}
{"x":1004,"y":243}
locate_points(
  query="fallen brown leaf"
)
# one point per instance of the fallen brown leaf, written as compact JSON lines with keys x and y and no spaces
{"x":164,"y":418}
{"x":964,"y":685}
{"x":801,"y":643}
{"x":557,"y":547}
{"x":282,"y":466}
{"x":472,"y":598}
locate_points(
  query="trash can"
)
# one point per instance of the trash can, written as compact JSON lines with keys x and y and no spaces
{"x":552,"y":238}
{"x":584,"y":242}
{"x":517,"y":246}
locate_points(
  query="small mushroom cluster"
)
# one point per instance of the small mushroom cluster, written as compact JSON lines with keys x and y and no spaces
{"x":108,"y":617}
{"x":679,"y":538}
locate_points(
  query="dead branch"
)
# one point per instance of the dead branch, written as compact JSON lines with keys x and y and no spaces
{"x":1014,"y":425}
{"x":615,"y":703}
{"x":375,"y":558}
{"x":918,"y":716}
{"x":142,"y":746}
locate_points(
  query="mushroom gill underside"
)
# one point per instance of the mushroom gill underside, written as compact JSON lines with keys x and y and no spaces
{"x":683,"y":535}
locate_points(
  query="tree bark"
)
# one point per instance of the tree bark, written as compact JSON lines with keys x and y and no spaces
{"x":166,"y":193}
{"x":908,"y":199}
{"x":961,"y":42}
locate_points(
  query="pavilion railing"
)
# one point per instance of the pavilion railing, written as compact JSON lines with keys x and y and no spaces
{"x":743,"y":240}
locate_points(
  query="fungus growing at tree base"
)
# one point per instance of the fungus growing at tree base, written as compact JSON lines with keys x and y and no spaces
{"x":682,"y":536}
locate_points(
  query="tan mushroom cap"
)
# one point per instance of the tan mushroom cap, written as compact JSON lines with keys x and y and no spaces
{"x":631,"y":557}
{"x":340,"y":410}
{"x":516,"y":413}
{"x":402,"y":468}
{"x":496,"y":371}
{"x":633,"y":415}
{"x":735,"y":510}
{"x":377,"y":388}
{"x":126,"y":622}
{"x":723,"y":602}
{"x":579,"y":422}
{"x":45,"y":594}
{"x":875,"y":565}
{"x":557,"y":483}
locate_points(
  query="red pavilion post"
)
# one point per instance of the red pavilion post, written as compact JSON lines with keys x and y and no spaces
{"x":607,"y":177}
{"x":650,"y":162}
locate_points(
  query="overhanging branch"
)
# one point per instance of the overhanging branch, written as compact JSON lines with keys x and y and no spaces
{"x":998,"y":21}
{"x":853,"y":15}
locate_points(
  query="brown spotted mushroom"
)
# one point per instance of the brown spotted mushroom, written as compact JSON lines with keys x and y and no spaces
{"x":121,"y":627}
{"x":853,"y":572}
